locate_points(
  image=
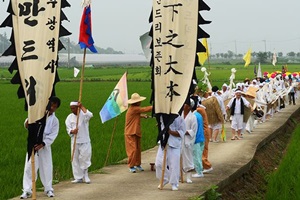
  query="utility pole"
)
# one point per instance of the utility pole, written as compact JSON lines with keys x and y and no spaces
{"x":68,"y":52}
{"x":235,"y":48}
{"x":265,"y":41}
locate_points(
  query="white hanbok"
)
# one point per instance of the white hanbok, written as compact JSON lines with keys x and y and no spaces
{"x":172,"y":170}
{"x":43,"y":158}
{"x":83,"y":149}
{"x":189,"y":141}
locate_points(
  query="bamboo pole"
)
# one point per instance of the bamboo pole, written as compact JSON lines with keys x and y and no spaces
{"x":208,"y":62}
{"x":111,"y":140}
{"x":79,"y":100}
{"x":33,"y":175}
{"x":163,"y":168}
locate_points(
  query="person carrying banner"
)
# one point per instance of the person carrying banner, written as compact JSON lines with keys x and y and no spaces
{"x":176,"y":132}
{"x":133,"y":132}
{"x":83,"y":149}
{"x":188,"y":139}
{"x":43,"y":157}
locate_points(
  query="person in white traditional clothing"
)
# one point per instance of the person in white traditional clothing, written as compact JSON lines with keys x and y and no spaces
{"x":172,"y":171}
{"x":292,"y":92}
{"x":216,"y":127}
{"x":236,"y":106}
{"x":188,"y":139}
{"x":279,"y":86}
{"x":225,"y":92}
{"x":43,"y":157}
{"x":261,"y":101}
{"x":251,"y":122}
{"x":83,"y":149}
{"x":246,"y":86}
{"x":254,"y":83}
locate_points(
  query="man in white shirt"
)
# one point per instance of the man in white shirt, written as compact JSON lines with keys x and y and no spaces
{"x":236,"y":106}
{"x":176,"y":132}
{"x":43,"y":156}
{"x":188,"y":139}
{"x":83,"y":149}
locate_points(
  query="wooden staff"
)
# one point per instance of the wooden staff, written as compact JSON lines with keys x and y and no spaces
{"x":163,"y":168}
{"x":111,"y":140}
{"x":181,"y":169}
{"x":79,"y":100}
{"x":33,"y":175}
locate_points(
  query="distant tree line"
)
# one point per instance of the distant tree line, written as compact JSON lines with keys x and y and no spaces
{"x":262,"y":57}
{"x":75,"y":48}
{"x":72,"y":46}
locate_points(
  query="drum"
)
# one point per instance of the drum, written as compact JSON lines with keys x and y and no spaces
{"x":258,"y":113}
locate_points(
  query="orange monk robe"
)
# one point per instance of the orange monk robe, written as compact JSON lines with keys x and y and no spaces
{"x":133,"y":133}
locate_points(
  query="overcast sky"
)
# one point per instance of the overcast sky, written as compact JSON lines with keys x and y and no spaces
{"x":237,"y":25}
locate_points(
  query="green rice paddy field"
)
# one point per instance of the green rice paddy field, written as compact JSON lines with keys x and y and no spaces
{"x":98,"y":84}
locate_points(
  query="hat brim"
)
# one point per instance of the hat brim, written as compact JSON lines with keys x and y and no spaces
{"x":132,"y":101}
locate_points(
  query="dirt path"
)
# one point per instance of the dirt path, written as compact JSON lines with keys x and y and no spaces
{"x":229,"y":159}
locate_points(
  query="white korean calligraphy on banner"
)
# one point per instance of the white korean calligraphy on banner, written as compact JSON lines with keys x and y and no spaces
{"x":36,"y":32}
{"x":175,"y":25}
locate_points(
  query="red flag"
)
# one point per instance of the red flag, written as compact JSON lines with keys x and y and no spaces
{"x":85,"y":36}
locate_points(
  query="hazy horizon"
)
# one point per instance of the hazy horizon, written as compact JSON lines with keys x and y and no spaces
{"x":237,"y":25}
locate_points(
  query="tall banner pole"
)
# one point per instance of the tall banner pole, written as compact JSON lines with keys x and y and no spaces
{"x":79,"y":100}
{"x":163,"y":168}
{"x":33,"y":175}
{"x":208,"y":55}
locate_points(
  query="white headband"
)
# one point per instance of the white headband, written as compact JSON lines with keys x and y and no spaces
{"x":74,"y":103}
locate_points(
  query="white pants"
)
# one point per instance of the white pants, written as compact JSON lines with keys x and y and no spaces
{"x":237,"y":122}
{"x":187,"y":157}
{"x":43,"y":163}
{"x":82,"y":159}
{"x":250,"y":123}
{"x":172,"y":170}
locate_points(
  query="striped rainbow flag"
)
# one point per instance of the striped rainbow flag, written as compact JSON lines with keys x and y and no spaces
{"x":116,"y":102}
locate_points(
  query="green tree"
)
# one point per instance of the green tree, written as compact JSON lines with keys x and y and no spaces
{"x":262,"y":57}
{"x":75,"y":48}
{"x":4,"y":43}
{"x":291,"y":54}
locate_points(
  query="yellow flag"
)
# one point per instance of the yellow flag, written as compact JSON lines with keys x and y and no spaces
{"x":203,"y":56}
{"x":247,"y":58}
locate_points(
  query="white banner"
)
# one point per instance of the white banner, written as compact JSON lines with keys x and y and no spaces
{"x":36,"y":29}
{"x":175,"y":26}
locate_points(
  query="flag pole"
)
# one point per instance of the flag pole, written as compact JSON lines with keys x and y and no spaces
{"x":33,"y":175}
{"x":79,"y":100}
{"x":208,"y":60}
{"x":111,"y":140}
{"x":163,"y":168}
